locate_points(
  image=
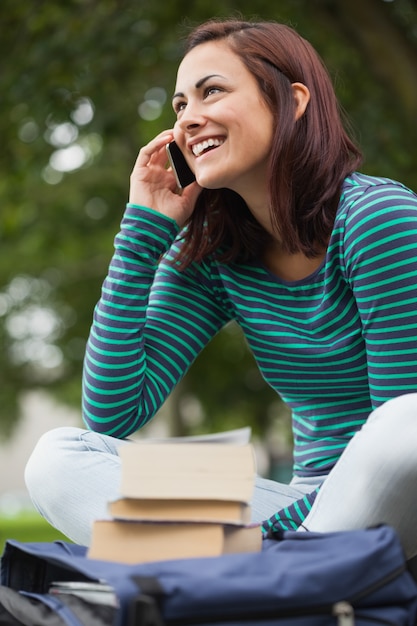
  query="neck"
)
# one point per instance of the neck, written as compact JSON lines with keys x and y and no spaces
{"x":254,"y":190}
{"x":290,"y":267}
{"x":259,"y":207}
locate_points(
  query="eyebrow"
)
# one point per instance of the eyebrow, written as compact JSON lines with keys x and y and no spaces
{"x":198,"y":84}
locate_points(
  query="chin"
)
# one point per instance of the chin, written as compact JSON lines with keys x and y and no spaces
{"x":208,"y":182}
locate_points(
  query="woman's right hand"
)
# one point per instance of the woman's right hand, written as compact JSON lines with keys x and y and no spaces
{"x":154,"y":186}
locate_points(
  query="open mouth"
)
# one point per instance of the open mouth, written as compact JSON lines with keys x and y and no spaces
{"x":206,"y":146}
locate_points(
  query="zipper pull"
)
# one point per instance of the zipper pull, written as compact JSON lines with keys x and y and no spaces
{"x":344,"y":613}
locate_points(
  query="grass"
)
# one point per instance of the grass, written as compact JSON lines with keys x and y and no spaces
{"x":27,"y":527}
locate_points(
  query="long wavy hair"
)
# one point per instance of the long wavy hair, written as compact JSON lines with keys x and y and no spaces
{"x":310,"y":157}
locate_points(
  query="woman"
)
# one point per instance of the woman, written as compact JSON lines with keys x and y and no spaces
{"x":315,"y":261}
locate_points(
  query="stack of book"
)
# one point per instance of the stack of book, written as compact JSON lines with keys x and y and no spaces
{"x":180,"y":500}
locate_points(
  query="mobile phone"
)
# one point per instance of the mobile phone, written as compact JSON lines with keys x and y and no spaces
{"x":183,"y":174}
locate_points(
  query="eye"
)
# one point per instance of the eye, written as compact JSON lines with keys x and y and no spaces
{"x":179,"y":105}
{"x":212,"y":90}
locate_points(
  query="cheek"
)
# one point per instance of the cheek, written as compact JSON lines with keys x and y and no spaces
{"x":179,"y":136}
{"x":258,"y":138}
{"x":265,"y":135}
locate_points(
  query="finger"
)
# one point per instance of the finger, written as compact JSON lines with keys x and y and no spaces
{"x":153,"y":148}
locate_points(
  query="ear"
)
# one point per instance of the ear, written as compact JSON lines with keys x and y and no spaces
{"x":302,"y":98}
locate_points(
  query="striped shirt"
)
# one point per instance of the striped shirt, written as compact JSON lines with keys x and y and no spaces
{"x":334,"y":345}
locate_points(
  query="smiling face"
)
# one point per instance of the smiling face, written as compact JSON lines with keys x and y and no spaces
{"x":224,"y":127}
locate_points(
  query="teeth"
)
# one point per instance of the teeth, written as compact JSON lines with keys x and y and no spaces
{"x":198,"y":148}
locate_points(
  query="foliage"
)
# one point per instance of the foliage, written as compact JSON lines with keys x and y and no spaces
{"x":84,"y":84}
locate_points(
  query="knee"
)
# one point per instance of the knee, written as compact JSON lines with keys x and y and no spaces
{"x":400,"y":413}
{"x":47,"y":463}
{"x":390,"y":437}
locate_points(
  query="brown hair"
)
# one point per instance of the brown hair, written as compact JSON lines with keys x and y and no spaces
{"x":309,"y":158}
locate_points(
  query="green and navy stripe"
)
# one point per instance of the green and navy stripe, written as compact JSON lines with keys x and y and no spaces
{"x":334,"y":345}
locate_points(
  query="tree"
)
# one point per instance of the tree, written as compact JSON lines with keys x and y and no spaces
{"x":84,"y":84}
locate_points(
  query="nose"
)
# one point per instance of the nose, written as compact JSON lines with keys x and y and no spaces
{"x":190,"y":118}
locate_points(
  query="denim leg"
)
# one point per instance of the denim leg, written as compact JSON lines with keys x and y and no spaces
{"x":375,"y":479}
{"x":71,"y":475}
{"x":271,"y":496}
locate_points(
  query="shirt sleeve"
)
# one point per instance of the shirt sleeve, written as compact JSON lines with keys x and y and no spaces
{"x":291,"y":517}
{"x":149,"y":325}
{"x":380,"y":264}
{"x":380,"y":252}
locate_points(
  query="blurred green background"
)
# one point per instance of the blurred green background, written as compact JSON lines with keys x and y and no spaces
{"x":84,"y":84}
{"x":27,"y":526}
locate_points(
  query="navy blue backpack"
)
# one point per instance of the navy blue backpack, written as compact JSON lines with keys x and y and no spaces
{"x":298,"y":579}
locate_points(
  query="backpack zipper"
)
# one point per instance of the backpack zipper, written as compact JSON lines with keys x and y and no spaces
{"x":344,"y":613}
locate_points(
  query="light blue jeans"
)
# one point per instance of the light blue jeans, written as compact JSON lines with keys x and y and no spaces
{"x":73,"y":473}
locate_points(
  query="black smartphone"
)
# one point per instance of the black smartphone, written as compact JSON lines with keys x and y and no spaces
{"x":183,"y":174}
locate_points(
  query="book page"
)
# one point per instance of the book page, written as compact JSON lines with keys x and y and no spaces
{"x":238,"y":436}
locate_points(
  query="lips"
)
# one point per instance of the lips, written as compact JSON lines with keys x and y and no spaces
{"x":207,"y":144}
